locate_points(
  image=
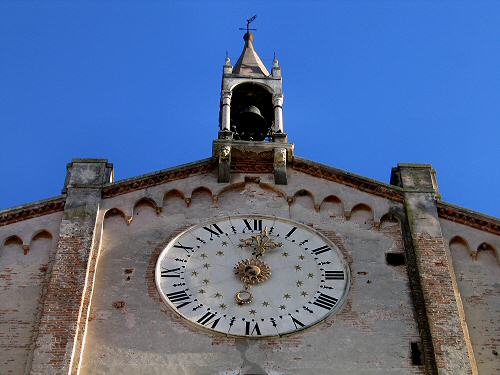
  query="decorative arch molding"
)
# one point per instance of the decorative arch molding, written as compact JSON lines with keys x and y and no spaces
{"x":39,"y":234}
{"x":146,"y":201}
{"x":303,"y":193}
{"x":362,"y":214}
{"x":483,"y":247}
{"x":389,"y":219}
{"x":117,"y":212}
{"x":16,"y":240}
{"x":199,"y":191}
{"x":262,"y":84}
{"x":175,"y":194}
{"x":238,"y":186}
{"x":332,"y":201}
{"x":460,"y":241}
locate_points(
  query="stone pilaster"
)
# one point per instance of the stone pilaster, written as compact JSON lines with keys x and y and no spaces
{"x":65,"y":307}
{"x":446,"y":342}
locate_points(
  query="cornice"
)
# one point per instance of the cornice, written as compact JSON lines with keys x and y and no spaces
{"x":445,"y":210}
{"x":368,"y":185}
{"x":468,"y":217}
{"x":31,"y":210}
{"x":157,"y":178}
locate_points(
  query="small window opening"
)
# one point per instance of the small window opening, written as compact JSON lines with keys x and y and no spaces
{"x":395,"y":259}
{"x":416,"y":354}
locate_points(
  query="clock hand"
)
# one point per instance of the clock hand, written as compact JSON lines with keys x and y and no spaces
{"x":250,"y":271}
{"x":261,"y":243}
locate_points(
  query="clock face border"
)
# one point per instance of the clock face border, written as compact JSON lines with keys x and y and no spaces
{"x":341,"y":257}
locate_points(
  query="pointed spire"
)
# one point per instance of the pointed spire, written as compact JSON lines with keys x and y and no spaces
{"x":249,"y":63}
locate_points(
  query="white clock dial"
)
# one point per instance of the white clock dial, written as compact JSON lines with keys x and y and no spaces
{"x":252,"y":276}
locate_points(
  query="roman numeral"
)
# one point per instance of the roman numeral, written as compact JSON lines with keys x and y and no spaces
{"x":179,"y":299}
{"x":254,"y":330}
{"x":320,"y":250}
{"x":187,"y":248}
{"x":291,"y":232}
{"x":256,"y":225}
{"x":297,"y":323}
{"x":334,"y":275}
{"x":217,"y":230}
{"x":175,"y":272}
{"x":325,"y":301}
{"x":205,"y":320}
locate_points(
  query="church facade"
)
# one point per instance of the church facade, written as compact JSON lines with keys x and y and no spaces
{"x":252,"y":261}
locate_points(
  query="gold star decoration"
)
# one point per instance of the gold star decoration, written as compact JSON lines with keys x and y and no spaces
{"x":223,"y":306}
{"x":301,"y":257}
{"x":218,"y":295}
{"x":253,"y":312}
{"x":299,"y":283}
{"x":284,"y":253}
{"x":304,"y":294}
{"x":206,"y":265}
{"x":206,"y":281}
{"x":194,"y":273}
{"x":220,"y":253}
{"x":298,"y":268}
{"x":224,"y":243}
{"x":203,"y":255}
{"x":310,"y":275}
{"x":201,"y":291}
{"x":282,"y":307}
{"x":286,"y":296}
{"x":265,"y":303}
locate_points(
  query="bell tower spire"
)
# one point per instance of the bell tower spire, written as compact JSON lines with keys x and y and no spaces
{"x":251,"y":114}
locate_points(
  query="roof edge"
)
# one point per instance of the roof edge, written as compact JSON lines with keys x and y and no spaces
{"x":446,"y":210}
{"x":362,"y":183}
{"x":468,"y":217}
{"x":158,"y":177}
{"x":31,"y":210}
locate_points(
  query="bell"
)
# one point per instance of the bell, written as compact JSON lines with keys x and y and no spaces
{"x":252,"y":126}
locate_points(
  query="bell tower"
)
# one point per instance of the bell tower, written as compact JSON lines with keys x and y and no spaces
{"x":251,"y":129}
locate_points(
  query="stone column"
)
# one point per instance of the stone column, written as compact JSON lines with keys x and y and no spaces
{"x":278,"y":113}
{"x":65,"y":307}
{"x":226,"y":111}
{"x":447,"y":346}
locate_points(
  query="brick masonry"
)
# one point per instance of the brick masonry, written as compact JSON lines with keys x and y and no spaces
{"x":65,"y":308}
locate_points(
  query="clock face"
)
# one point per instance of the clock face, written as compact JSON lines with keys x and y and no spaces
{"x":252,"y":276}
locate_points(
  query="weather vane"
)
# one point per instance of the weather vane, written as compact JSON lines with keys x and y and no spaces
{"x":249,"y":21}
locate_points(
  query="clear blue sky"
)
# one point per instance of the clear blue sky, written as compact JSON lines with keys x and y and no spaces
{"x":367,"y":84}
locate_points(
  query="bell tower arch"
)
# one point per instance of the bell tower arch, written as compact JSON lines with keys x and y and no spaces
{"x":251,"y":114}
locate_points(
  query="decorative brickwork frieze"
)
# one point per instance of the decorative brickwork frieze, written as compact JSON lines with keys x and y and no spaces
{"x":348,"y":179}
{"x":29,"y":211}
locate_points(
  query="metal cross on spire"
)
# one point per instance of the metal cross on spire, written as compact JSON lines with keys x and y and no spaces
{"x":249,"y":21}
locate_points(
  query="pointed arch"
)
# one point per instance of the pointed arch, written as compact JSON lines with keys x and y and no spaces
{"x":303,"y":193}
{"x":362,"y":214}
{"x":484,"y":247}
{"x":389,"y":220}
{"x":114,"y":212}
{"x":459,"y":244}
{"x":13,"y":240}
{"x":41,"y":234}
{"x":173,"y":193}
{"x":332,"y":206}
{"x":200,"y":191}
{"x":146,"y":201}
{"x":174,"y":201}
